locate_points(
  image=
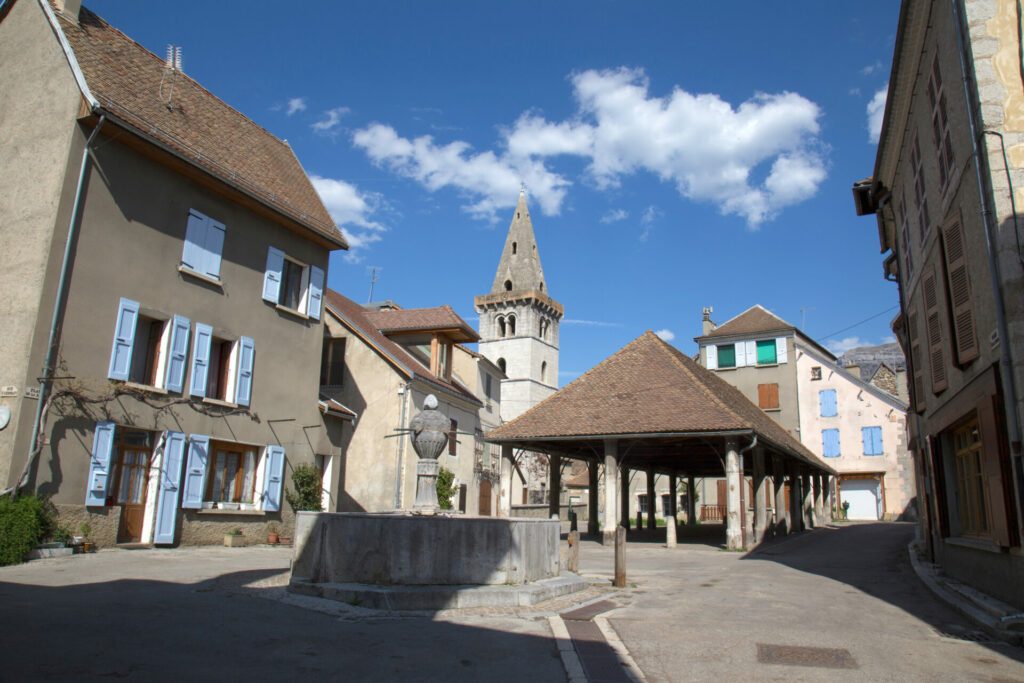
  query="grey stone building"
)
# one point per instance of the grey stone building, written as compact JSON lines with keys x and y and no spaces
{"x":944,"y":194}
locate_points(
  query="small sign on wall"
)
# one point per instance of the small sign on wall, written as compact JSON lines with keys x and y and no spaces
{"x":31,"y":392}
{"x":8,"y":391}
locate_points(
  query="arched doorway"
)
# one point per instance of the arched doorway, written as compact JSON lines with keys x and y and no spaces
{"x":485,"y":498}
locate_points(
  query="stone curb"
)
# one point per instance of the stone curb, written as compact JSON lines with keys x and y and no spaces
{"x":570,"y":660}
{"x":630,"y":666}
{"x":984,"y":615}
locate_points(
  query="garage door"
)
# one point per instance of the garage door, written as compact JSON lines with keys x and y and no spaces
{"x":862,"y":495}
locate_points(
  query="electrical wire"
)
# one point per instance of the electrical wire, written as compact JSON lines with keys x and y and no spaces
{"x":876,"y":315}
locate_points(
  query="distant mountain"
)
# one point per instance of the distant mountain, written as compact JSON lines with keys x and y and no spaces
{"x":868,"y":358}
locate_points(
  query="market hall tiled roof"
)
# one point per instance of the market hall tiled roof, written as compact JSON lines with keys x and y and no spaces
{"x":135,"y":86}
{"x":648,"y":387}
{"x":358,"y":318}
{"x":423,"y":319}
{"x":755,"y":320}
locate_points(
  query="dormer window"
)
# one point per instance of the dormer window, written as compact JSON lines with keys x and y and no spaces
{"x":508,"y":285}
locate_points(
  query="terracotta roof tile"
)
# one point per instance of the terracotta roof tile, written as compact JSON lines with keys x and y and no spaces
{"x":648,"y":387}
{"x":132,"y":84}
{"x":417,"y":319}
{"x":358,"y":317}
{"x":754,"y":320}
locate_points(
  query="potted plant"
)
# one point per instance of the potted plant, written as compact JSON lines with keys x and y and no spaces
{"x":846,"y":509}
{"x":273,"y":537}
{"x":87,"y":545}
{"x":234,"y":539}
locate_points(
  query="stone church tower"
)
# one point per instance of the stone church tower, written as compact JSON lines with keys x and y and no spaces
{"x":519,"y":321}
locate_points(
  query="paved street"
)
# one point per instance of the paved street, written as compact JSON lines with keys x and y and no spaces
{"x":693,"y":613}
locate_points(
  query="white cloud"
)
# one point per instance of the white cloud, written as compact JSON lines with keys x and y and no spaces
{"x":871,"y":68}
{"x":490,"y":181}
{"x":876,"y":111}
{"x":615,"y":215}
{"x":331,"y":119}
{"x":751,"y":160}
{"x":841,"y":346}
{"x":647,"y":219}
{"x":352,"y":210}
{"x":666,"y":335}
{"x":295,"y":105}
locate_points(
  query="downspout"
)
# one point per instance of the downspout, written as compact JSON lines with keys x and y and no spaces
{"x":1005,"y":367}
{"x":54,"y":336}
{"x":404,"y":392}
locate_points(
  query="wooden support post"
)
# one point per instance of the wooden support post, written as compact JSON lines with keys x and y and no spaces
{"x":826,"y":485}
{"x":573,"y":560}
{"x":624,"y":502}
{"x":760,"y":496}
{"x":819,"y":511}
{"x":691,"y":500}
{"x":652,"y":503}
{"x":795,"y":499}
{"x":620,"y":558}
{"x":781,"y":511}
{"x":554,"y":486}
{"x":807,"y":507}
{"x":673,"y":495}
{"x":592,"y":512}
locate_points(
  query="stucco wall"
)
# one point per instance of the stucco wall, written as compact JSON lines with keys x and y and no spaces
{"x":39,"y":165}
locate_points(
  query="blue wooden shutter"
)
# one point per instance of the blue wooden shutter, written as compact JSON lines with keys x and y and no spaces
{"x":830,"y":442}
{"x":712,"y":356}
{"x":876,"y":440}
{"x":316,"y":292}
{"x":193,"y":255}
{"x":168,"y":488}
{"x":200,"y":359}
{"x":865,"y":437}
{"x":177,"y":354}
{"x":100,"y":464}
{"x":272,"y":276}
{"x":214,"y":247}
{"x":246,"y":358}
{"x":195,"y":472}
{"x":827,"y":401}
{"x":274,"y":478}
{"x":124,"y":339}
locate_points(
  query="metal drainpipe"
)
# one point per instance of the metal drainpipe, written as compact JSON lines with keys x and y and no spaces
{"x":1005,"y":367}
{"x":400,"y":456}
{"x":52,"y":343}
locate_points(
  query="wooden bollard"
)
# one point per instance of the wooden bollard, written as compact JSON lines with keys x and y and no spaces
{"x":573,"y":561}
{"x":620,"y":557}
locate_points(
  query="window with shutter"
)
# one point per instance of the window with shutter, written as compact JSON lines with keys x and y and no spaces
{"x":941,"y":136}
{"x":727,"y":356}
{"x":766,"y":352}
{"x":204,"y":243}
{"x":906,"y":251}
{"x":830,"y":443}
{"x":920,"y":196}
{"x":827,"y":402}
{"x":933,"y":326}
{"x":768,"y":396}
{"x":917,"y":388}
{"x":958,"y":281}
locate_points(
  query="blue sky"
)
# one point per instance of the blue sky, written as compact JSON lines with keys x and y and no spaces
{"x":677,"y":155}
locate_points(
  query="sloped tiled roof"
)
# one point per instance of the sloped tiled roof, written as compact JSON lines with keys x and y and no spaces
{"x":133,"y":84}
{"x":754,"y":320}
{"x":648,"y":387}
{"x":358,"y":318}
{"x":417,"y":319}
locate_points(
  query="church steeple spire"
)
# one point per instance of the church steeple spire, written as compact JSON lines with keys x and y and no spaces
{"x":519,"y":269}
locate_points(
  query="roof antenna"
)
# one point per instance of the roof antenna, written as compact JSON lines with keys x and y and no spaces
{"x":373,"y":280}
{"x":172,"y":67}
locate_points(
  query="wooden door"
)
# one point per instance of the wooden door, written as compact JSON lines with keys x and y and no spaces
{"x":485,"y":498}
{"x":132,"y":484}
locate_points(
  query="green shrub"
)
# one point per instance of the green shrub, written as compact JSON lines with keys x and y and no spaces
{"x":307,"y":494}
{"x":23,"y":524}
{"x":445,"y":488}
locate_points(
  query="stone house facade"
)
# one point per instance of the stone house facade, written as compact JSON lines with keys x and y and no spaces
{"x":178,"y":333}
{"x":946,"y":183}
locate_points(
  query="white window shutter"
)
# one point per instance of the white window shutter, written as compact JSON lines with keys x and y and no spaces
{"x":246,"y":359}
{"x":712,"y":356}
{"x":751,"y":352}
{"x":214,"y":248}
{"x":201,"y":359}
{"x":316,"y":292}
{"x":780,"y":350}
{"x":177,"y":354}
{"x":124,"y":340}
{"x":272,"y":276}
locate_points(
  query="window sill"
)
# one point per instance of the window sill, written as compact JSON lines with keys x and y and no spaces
{"x":732,"y":367}
{"x":218,"y":402}
{"x":772,"y":410}
{"x":767,"y":365}
{"x":292,"y":312}
{"x":216,"y":281}
{"x":146,"y":387}
{"x":237,"y":513}
{"x":974,"y":543}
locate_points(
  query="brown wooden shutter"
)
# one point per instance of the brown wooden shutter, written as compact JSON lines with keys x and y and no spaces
{"x":933,"y":326}
{"x":964,"y":332}
{"x":917,"y":387}
{"x":995,"y":466}
{"x":768,"y":396}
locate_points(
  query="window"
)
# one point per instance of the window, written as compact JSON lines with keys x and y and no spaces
{"x":544,"y":371}
{"x":204,"y":243}
{"x":332,"y":363}
{"x":511,"y":326}
{"x":958,"y":281}
{"x":827,"y":402}
{"x":148,"y":349}
{"x":502,"y":328}
{"x":872,"y":438}
{"x":941,"y":136}
{"x":666,"y":505}
{"x":222,"y":368}
{"x":970,"y":481}
{"x":232,"y":477}
{"x":830,"y":443}
{"x":293,"y":285}
{"x":542,"y":328}
{"x":488,"y":386}
{"x":920,"y":198}
{"x":816,"y":373}
{"x":508,"y":285}
{"x":766,"y":352}
{"x":641,"y":503}
{"x":768,"y":396}
{"x":501,"y":366}
{"x":906,"y":251}
{"x":453,"y":443}
{"x":727,"y":356}
{"x":515,"y":247}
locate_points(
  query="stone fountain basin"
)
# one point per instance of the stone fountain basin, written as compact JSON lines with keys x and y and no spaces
{"x":402,"y":549}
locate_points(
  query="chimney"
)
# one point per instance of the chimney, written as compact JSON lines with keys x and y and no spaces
{"x":706,"y":325}
{"x":69,"y":8}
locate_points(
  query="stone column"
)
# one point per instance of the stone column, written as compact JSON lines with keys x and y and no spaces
{"x":819,"y":514}
{"x":782,"y":526}
{"x":826,"y":495}
{"x":652,"y":504}
{"x":505,"y":485}
{"x":554,"y":485}
{"x":808,"y":498}
{"x":673,"y":494}
{"x":611,"y":491}
{"x":624,"y":485}
{"x":691,"y":500}
{"x":592,"y":512}
{"x":760,"y":496}
{"x":733,"y":481}
{"x":795,"y":512}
